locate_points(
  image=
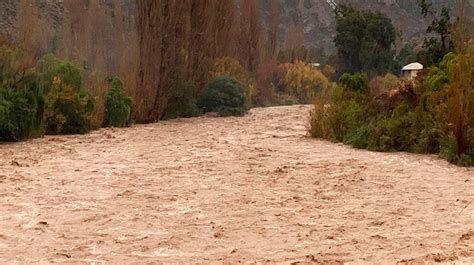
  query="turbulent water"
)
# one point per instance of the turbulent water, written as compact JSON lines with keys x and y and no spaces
{"x":254,"y":188}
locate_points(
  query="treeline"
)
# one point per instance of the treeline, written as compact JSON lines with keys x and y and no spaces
{"x":373,"y":109}
{"x":166,"y":59}
{"x":183,"y":40}
{"x":191,"y":42}
{"x":166,"y":52}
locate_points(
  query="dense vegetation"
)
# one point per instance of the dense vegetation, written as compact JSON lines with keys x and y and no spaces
{"x":432,"y":114}
{"x":22,"y":102}
{"x":43,"y":97}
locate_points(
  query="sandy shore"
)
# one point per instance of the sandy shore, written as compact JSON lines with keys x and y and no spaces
{"x":252,"y":189}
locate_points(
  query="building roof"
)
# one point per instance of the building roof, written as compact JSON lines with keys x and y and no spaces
{"x":413,"y":66}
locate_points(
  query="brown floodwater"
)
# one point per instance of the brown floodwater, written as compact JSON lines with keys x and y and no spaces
{"x":250,"y":189}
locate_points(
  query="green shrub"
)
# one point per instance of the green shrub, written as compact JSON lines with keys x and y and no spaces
{"x":448,"y":148}
{"x":443,"y":65}
{"x":402,"y":128}
{"x":358,"y":137}
{"x":467,"y":159}
{"x":437,"y":79}
{"x":4,"y":109}
{"x":355,"y":82}
{"x":347,"y":116}
{"x":225,"y":96}
{"x":69,"y":107}
{"x":68,"y":111}
{"x":50,"y":67}
{"x":181,"y":102}
{"x":118,"y":106}
{"x":350,"y":115}
{"x":21,"y":99}
{"x":471,"y":153}
{"x":17,"y":115}
{"x":428,"y":141}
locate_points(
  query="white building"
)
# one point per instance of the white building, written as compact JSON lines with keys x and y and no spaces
{"x":410,"y":71}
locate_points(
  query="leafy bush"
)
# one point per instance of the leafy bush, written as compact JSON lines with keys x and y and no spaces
{"x":69,"y":107}
{"x":50,"y":67}
{"x":224,"y":95}
{"x":395,"y":132}
{"x":359,"y":137}
{"x":426,"y":131}
{"x":355,"y":82}
{"x":17,"y":115}
{"x":181,"y":102}
{"x":347,"y":116}
{"x":68,"y":111}
{"x":448,"y":149}
{"x":21,"y":99}
{"x":437,"y":79}
{"x":118,"y":106}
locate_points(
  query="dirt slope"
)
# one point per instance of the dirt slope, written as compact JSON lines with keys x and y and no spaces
{"x":228,"y":189}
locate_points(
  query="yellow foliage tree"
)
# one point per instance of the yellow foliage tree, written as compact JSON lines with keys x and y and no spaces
{"x":230,"y":67}
{"x":304,"y":82}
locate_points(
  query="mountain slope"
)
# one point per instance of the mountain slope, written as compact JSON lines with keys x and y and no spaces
{"x":319,"y":23}
{"x":316,"y":15}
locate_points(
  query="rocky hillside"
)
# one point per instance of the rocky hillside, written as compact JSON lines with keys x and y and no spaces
{"x":319,"y":24}
{"x":7,"y":17}
{"x":316,"y":15}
